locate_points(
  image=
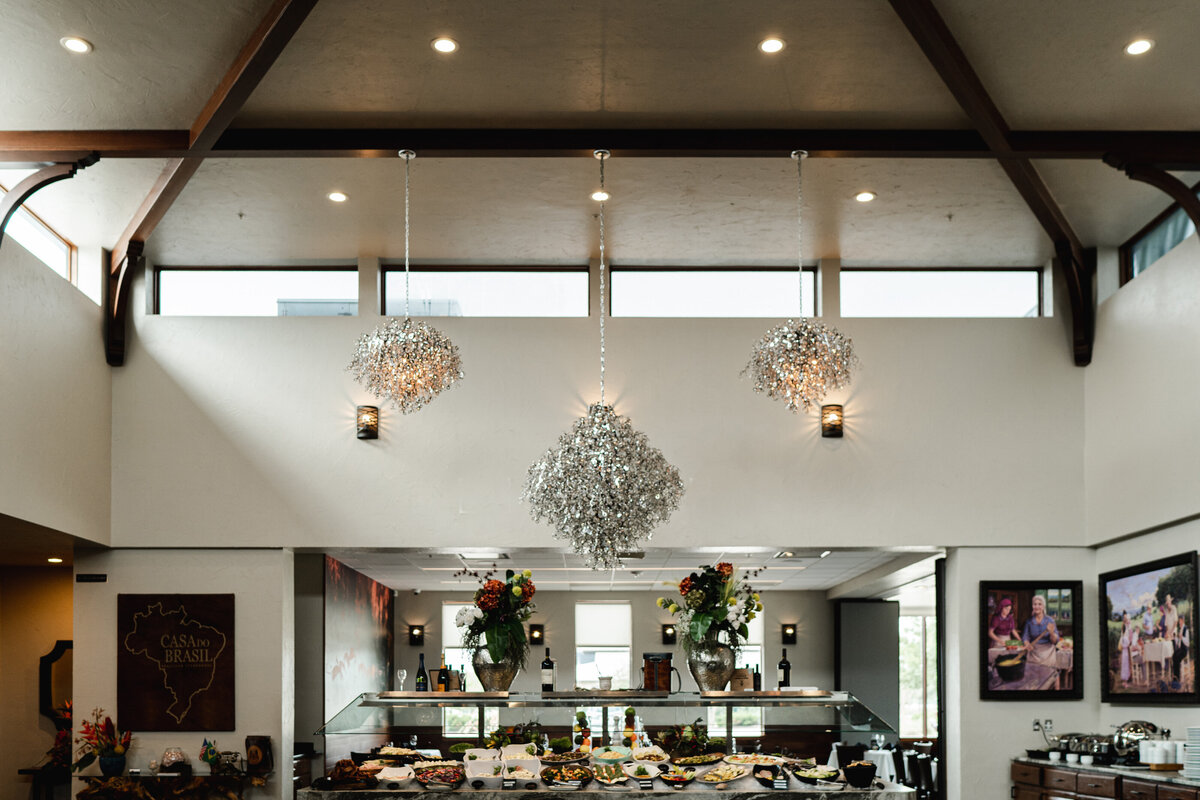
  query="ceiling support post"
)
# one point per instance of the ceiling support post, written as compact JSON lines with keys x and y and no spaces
{"x":43,"y":177}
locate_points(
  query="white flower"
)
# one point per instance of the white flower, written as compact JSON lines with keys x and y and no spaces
{"x":466,"y":615}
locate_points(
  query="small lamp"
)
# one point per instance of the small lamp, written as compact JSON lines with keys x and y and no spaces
{"x":416,"y":635}
{"x":789,"y":633}
{"x":368,"y":422}
{"x":831,"y":421}
{"x":668,"y":634}
{"x":537,"y":634}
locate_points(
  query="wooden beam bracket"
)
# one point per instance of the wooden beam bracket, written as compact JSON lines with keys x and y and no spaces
{"x":1160,"y":179}
{"x":42,"y":178}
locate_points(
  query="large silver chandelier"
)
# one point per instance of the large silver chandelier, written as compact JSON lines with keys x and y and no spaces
{"x":409,"y":362}
{"x":604,"y":488}
{"x":799,"y":361}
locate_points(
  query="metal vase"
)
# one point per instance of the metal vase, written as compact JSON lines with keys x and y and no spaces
{"x":495,"y":677}
{"x":711,"y":664}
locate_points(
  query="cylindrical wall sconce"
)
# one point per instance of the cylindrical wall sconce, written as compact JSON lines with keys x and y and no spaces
{"x":368,"y":422}
{"x":416,"y":635}
{"x":668,"y":634}
{"x":789,"y":633}
{"x":537,"y":634}
{"x":831,"y":421}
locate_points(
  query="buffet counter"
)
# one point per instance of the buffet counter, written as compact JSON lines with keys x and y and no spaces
{"x":750,"y":791}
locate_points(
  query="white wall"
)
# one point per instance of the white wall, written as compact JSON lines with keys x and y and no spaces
{"x":55,"y":400}
{"x":1141,"y":459}
{"x":262,"y":583}
{"x":958,"y":432}
{"x":983,"y":736}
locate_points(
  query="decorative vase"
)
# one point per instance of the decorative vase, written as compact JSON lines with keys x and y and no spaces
{"x":711,"y":664}
{"x":112,"y":766}
{"x":495,"y":677}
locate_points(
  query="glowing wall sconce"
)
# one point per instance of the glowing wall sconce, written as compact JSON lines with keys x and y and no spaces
{"x":537,"y":634}
{"x":789,"y":633}
{"x":668,"y":634}
{"x":416,"y":635}
{"x":368,"y":422}
{"x":831,"y":421}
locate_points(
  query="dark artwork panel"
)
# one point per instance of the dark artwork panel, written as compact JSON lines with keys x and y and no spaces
{"x":1147,"y":615}
{"x":358,"y":646}
{"x":1031,"y":640}
{"x":175,"y":662}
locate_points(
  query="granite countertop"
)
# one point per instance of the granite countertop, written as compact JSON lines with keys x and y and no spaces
{"x":1134,"y":774}
{"x":749,"y":791}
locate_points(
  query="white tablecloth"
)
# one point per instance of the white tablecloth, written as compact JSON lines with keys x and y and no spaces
{"x":885,"y":768}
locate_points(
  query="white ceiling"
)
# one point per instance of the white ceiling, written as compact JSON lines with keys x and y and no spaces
{"x":617,"y":63}
{"x":558,"y":570}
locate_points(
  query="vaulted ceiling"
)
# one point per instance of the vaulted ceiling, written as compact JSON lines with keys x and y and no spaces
{"x":707,"y":120}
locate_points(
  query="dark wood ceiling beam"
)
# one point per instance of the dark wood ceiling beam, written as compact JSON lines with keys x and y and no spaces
{"x":1179,"y":191}
{"x":26,"y":188}
{"x":934,"y":38}
{"x":260,"y":51}
{"x":32,"y":146}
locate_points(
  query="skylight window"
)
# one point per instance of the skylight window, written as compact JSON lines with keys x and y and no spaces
{"x":257,"y":292}
{"x":647,"y":292}
{"x":941,"y":292}
{"x":487,"y":292}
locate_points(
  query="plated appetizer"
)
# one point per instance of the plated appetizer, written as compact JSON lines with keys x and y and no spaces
{"x":406,"y":752}
{"x":676,"y":776}
{"x":609,"y":774}
{"x":394,"y":777}
{"x":767,"y":773}
{"x":750,"y":758}
{"x":479,"y":754}
{"x":705,"y":758}
{"x":642,"y":771}
{"x":814,"y":774}
{"x":441,"y":776}
{"x":611,"y":755}
{"x":563,"y":758}
{"x":567,"y":773}
{"x":653,"y":754}
{"x":724,"y":774}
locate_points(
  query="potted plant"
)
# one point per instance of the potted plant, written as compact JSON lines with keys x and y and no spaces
{"x":713,"y":610}
{"x":103,"y":742}
{"x":495,"y":627}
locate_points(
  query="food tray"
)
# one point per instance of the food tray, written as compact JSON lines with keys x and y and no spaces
{"x":769,"y":693}
{"x":608,"y":694}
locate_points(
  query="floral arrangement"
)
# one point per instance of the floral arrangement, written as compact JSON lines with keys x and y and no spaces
{"x":712,"y":601}
{"x":685,"y":740}
{"x":528,"y":732}
{"x":496,"y":620}
{"x":99,"y":740}
{"x":59,"y":755}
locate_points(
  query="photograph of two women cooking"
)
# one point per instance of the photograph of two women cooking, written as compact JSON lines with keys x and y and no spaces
{"x":1028,"y":638}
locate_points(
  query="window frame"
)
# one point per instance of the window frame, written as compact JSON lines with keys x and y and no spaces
{"x":156,"y":286}
{"x":72,"y":275}
{"x":1039,"y":271}
{"x":577,"y":644}
{"x":1125,"y":249}
{"x":386,"y":269}
{"x":615,"y":268}
{"x":928,"y":688}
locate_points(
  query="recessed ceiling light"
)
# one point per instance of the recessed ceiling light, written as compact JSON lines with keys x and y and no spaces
{"x":864,"y":197}
{"x":771,"y":45}
{"x":600,"y":195}
{"x":338,"y":197}
{"x":1139,"y":46}
{"x":785,"y":554}
{"x":54,"y":560}
{"x":444,"y":44}
{"x":75,"y":44}
{"x":825,"y":553}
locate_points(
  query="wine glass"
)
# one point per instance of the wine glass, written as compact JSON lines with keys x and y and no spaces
{"x":401,"y":676}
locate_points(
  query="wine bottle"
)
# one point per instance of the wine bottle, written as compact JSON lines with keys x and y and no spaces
{"x":784,"y":671}
{"x":443,"y":676}
{"x":757,"y":679}
{"x":422,"y":675}
{"x":547,"y":673}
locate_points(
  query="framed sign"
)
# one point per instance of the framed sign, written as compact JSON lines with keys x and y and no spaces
{"x":175,"y":669}
{"x":1030,"y":640}
{"x":1147,"y":615}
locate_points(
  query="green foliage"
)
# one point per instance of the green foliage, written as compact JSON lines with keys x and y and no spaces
{"x":1179,"y":583}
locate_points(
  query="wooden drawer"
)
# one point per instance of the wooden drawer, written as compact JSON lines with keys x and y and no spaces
{"x":1027,"y":774}
{"x":1138,"y":790}
{"x":1096,"y":784}
{"x":1026,"y":793}
{"x":1167,"y":792}
{"x":1061,"y":780}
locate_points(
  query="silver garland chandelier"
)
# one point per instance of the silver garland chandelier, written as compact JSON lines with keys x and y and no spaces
{"x":408,"y":363}
{"x":604,"y":488}
{"x":799,"y":361}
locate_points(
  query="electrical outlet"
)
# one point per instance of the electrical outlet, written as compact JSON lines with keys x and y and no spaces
{"x":1037,"y":725}
{"x":1048,"y":725}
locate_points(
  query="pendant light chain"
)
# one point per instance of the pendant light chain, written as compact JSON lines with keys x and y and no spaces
{"x":602,"y":154}
{"x":408,"y":155}
{"x":800,"y":155}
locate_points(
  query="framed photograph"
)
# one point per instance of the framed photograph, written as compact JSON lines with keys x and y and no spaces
{"x":1030,"y":640}
{"x":1147,"y":615}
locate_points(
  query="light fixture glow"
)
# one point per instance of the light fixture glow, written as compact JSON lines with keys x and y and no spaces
{"x":1139,"y":47}
{"x":54,"y":560}
{"x":76,"y":45}
{"x":865,"y":197}
{"x":771,"y":45}
{"x":444,"y":44}
{"x":600,"y":195}
{"x":338,"y":197}
{"x":825,"y":553}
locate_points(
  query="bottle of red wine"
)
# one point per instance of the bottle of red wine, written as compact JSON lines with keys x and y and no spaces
{"x":757,"y":679}
{"x":443,"y":676}
{"x":422,"y":676}
{"x":784,"y":671}
{"x":547,"y":673}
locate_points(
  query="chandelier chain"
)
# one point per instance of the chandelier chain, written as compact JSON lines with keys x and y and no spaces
{"x":800,"y":155}
{"x":602,"y":203}
{"x":408,"y":154}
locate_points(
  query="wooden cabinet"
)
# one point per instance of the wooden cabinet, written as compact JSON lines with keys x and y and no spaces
{"x":1167,"y":792}
{"x":1037,"y":782}
{"x":1138,"y":790}
{"x":1058,"y":780}
{"x":1096,"y":784}
{"x":1026,"y":773}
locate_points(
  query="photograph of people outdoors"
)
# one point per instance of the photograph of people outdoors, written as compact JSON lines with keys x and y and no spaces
{"x":1149,"y":613}
{"x":1030,"y":640}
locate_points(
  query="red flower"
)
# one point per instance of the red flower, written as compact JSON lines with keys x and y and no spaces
{"x":685,"y":585}
{"x":726,"y":569}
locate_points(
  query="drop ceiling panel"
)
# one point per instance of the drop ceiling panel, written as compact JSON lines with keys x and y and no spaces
{"x":621,"y":63}
{"x":154,"y":64}
{"x":1063,"y":65}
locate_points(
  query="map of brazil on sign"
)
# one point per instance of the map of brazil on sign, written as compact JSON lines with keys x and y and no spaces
{"x":175,"y":669}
